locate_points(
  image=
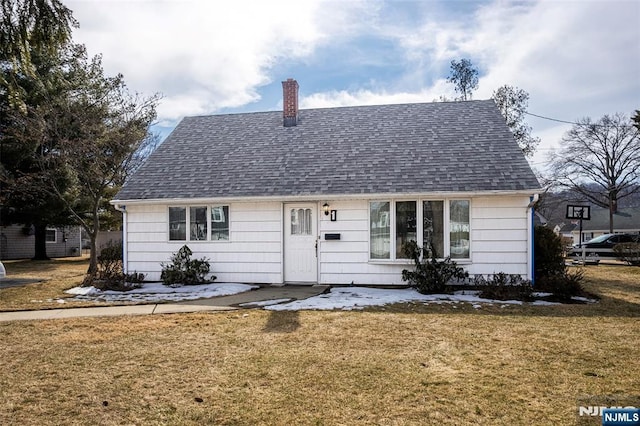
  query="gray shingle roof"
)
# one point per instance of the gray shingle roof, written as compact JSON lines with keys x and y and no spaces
{"x":395,"y":149}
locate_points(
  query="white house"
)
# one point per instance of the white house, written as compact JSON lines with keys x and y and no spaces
{"x":329,"y":195}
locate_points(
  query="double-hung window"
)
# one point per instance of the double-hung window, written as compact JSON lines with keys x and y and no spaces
{"x":51,"y":235}
{"x":442,"y":227}
{"x":199,"y":223}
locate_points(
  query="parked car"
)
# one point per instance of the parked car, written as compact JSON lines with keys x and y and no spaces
{"x":602,"y":246}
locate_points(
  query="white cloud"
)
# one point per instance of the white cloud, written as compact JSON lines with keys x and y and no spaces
{"x":201,"y":55}
{"x":337,"y":98}
{"x":575,"y":59}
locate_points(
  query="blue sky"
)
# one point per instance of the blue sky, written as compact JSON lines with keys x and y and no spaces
{"x":575,"y":58}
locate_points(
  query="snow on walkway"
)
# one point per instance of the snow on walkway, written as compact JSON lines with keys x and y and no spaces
{"x":155,"y":292}
{"x":348,"y":298}
{"x":345,"y":298}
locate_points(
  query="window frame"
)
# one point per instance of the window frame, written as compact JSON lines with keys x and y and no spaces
{"x":225,"y":217}
{"x":209,"y":221}
{"x":419,"y":227}
{"x":55,"y":236}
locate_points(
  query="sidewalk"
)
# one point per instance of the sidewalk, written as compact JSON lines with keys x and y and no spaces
{"x":224,"y":303}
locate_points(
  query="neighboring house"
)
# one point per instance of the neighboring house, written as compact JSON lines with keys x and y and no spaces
{"x":18,"y":242}
{"x":330,"y":195}
{"x":624,"y":221}
{"x":564,"y":230}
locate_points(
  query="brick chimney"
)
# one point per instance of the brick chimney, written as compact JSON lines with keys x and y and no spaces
{"x":290,"y":102}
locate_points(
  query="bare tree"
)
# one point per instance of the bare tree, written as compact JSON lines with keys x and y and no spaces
{"x":513,"y":103}
{"x":465,"y":78}
{"x":601,"y":161}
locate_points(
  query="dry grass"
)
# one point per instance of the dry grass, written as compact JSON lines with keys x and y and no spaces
{"x":56,"y":275}
{"x":404,"y":364}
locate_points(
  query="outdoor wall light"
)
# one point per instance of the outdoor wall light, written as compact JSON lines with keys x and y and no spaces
{"x":325,"y":208}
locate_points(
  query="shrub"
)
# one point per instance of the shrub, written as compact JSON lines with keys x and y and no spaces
{"x":628,"y":252}
{"x":184,"y":270}
{"x":430,"y":275}
{"x":563,"y":286}
{"x":502,"y":286}
{"x":110,"y":262}
{"x":550,"y":270}
{"x":110,"y":275}
{"x":548,"y":253}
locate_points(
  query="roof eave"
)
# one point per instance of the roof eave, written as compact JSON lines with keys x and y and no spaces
{"x":317,"y":197}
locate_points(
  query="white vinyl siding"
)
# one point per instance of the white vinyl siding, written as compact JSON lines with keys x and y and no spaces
{"x":253,"y":253}
{"x":347,"y":260}
{"x":499,"y":242}
{"x":500,"y":231}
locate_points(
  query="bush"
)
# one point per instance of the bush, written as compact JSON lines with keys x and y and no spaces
{"x":502,"y":286}
{"x":548,"y":253}
{"x":563,"y":286}
{"x":430,"y":275}
{"x":628,"y":252}
{"x":550,"y":270}
{"x":110,"y":262}
{"x":184,"y":270}
{"x":110,"y":275}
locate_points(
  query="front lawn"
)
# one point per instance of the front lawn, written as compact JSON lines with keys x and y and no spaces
{"x":400,"y":364}
{"x":55,"y":275}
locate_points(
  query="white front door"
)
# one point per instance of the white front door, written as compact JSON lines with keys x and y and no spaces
{"x":300,"y":239}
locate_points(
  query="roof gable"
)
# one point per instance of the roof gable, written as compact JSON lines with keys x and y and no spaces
{"x":395,"y":149}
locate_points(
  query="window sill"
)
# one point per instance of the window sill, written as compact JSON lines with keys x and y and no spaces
{"x":390,"y":262}
{"x":196,"y":241}
{"x":410,"y":262}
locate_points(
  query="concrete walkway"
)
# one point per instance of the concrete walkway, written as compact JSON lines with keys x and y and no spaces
{"x":222,"y":303}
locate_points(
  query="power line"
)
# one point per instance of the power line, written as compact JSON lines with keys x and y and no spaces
{"x":555,"y":119}
{"x":574,"y":123}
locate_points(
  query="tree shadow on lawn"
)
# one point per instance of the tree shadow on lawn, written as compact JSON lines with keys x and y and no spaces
{"x":282,"y":322}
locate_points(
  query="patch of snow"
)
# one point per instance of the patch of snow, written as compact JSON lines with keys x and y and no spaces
{"x":345,"y":298}
{"x":541,"y":294}
{"x":583,"y":299}
{"x":155,"y":292}
{"x":81,"y":291}
{"x":263,"y":303}
{"x":348,"y":298}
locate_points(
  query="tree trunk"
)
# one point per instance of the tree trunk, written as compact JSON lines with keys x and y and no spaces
{"x":93,"y":261}
{"x":613,"y":208}
{"x":93,"y":256}
{"x":41,"y":242}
